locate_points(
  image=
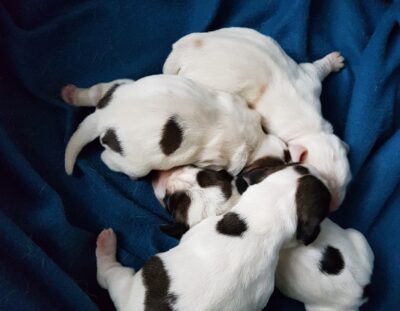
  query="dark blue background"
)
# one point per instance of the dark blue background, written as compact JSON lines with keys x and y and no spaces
{"x":49,"y":221}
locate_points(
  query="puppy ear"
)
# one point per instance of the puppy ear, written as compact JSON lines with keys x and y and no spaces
{"x":312,"y":203}
{"x":298,"y":153}
{"x":175,"y":230}
{"x":178,"y":204}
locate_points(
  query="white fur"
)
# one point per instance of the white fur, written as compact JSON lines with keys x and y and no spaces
{"x":247,"y":63}
{"x":298,"y":275}
{"x":219,"y":130}
{"x":212,"y":271}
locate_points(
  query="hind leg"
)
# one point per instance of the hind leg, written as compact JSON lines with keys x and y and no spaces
{"x":76,"y":96}
{"x":330,"y":63}
{"x":111,"y":275}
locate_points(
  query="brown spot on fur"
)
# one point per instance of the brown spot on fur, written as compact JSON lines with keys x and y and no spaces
{"x":222,"y":179}
{"x":157,"y":284}
{"x":111,"y":140}
{"x":178,"y":204}
{"x":264,"y":162}
{"x":198,"y":43}
{"x":105,"y":100}
{"x":172,"y":136}
{"x":231,"y":224}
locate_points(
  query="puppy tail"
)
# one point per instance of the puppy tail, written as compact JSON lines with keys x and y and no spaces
{"x":86,"y":132}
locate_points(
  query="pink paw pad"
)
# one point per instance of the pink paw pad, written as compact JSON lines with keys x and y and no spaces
{"x":336,"y":61}
{"x":106,"y":242}
{"x":68,"y":93}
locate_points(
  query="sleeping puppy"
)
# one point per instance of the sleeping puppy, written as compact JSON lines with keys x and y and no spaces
{"x":245,"y":62}
{"x":163,"y":121}
{"x":332,"y":273}
{"x":192,"y":194}
{"x":224,"y":262}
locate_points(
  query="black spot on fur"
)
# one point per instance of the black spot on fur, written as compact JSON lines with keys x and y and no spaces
{"x":302,"y":170}
{"x":287,"y":156}
{"x":231,"y":224}
{"x":222,"y":179}
{"x":312,"y":200}
{"x":172,"y":136}
{"x":332,"y":261}
{"x":156,"y":282}
{"x":175,"y":230}
{"x":241,"y":184}
{"x":105,"y":100}
{"x":366,"y":291}
{"x":261,"y":169}
{"x":110,"y":139}
{"x":178,"y":204}
{"x":264,"y":128}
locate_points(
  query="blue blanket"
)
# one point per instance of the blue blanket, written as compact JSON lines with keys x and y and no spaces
{"x":49,"y":221}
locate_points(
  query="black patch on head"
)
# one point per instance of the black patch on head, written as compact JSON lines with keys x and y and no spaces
{"x":366,"y":291}
{"x":172,"y":136}
{"x":104,"y":101}
{"x":110,"y":139}
{"x":175,"y":230}
{"x":178,"y":204}
{"x":231,"y":224}
{"x":261,"y":169}
{"x":332,"y":261}
{"x":312,"y":200}
{"x":156,"y":282}
{"x":287,"y":156}
{"x":241,"y":184}
{"x":222,"y":179}
{"x":301,"y":170}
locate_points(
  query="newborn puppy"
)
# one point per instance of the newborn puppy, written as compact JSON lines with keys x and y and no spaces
{"x":192,"y":194}
{"x":332,"y":273}
{"x":245,"y":62}
{"x":224,"y":262}
{"x":164,"y":121}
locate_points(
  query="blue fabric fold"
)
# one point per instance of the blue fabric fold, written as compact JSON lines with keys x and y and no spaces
{"x":49,"y":221}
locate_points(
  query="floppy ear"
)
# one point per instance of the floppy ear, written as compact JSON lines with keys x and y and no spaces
{"x":298,"y":153}
{"x":178,"y":204}
{"x":312,"y":202}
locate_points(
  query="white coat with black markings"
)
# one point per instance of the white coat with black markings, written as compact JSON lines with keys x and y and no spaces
{"x":224,"y":262}
{"x":164,"y":121}
{"x":245,"y":62}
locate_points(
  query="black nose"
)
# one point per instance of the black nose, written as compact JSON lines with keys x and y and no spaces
{"x":241,"y":184}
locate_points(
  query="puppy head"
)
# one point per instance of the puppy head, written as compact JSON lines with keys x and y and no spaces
{"x":328,"y":154}
{"x":312,"y":197}
{"x":191,"y":194}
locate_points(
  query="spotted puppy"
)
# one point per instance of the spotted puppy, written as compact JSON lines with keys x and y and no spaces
{"x":247,"y":63}
{"x":224,"y":262}
{"x":332,"y":273}
{"x":164,"y":121}
{"x":192,"y":194}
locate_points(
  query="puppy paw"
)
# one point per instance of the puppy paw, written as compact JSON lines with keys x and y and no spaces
{"x":106,"y":243}
{"x":68,"y":94}
{"x":336,"y":60}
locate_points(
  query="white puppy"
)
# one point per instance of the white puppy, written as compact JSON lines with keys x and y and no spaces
{"x":247,"y":63}
{"x":225,"y":262}
{"x":164,"y":121}
{"x":332,"y":273}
